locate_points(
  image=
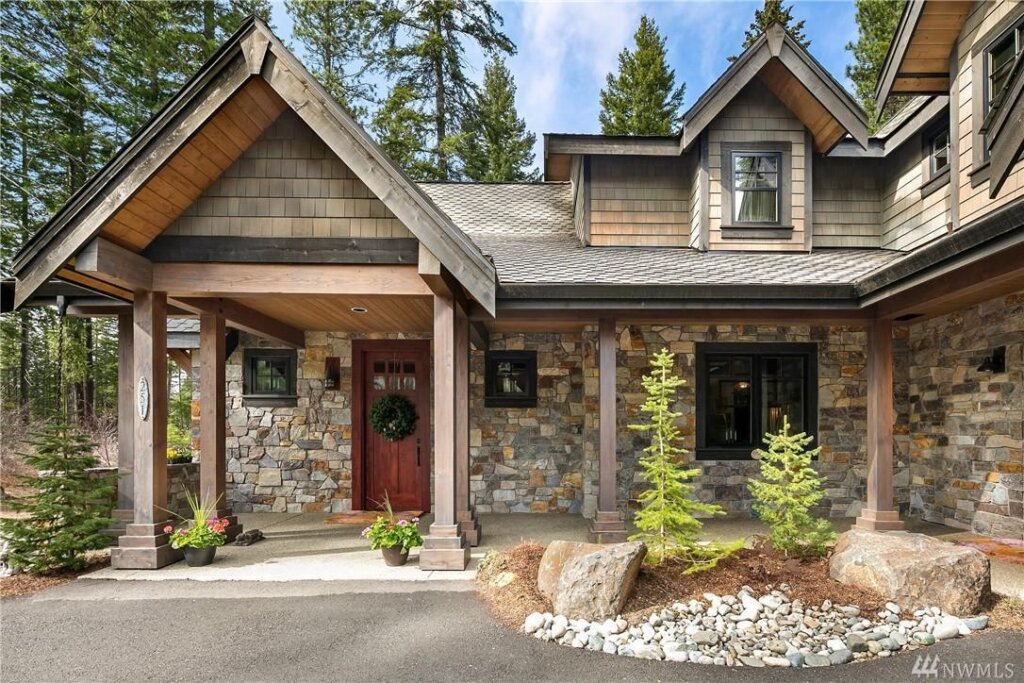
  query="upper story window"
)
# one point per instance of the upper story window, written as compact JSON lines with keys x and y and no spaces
{"x":999,"y":62}
{"x":269,"y":376}
{"x":756,"y":187}
{"x":938,"y":152}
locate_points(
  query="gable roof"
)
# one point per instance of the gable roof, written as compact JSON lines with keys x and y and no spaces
{"x":797,"y":79}
{"x":917,"y":62}
{"x":253,"y":71}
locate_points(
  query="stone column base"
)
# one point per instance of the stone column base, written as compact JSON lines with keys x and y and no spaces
{"x":444,"y":549}
{"x":122,"y":518}
{"x":144,"y":546}
{"x":233,"y":528}
{"x":607,"y":527}
{"x":469,"y":527}
{"x":879,"y":520}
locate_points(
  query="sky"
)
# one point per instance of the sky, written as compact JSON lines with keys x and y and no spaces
{"x":566,"y":49}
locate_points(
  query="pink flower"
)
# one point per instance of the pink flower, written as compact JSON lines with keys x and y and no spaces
{"x":168,"y":529}
{"x":415,"y":520}
{"x":403,"y":522}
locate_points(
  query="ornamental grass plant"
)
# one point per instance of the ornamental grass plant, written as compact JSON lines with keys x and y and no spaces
{"x":204,"y":529}
{"x":390,"y":531}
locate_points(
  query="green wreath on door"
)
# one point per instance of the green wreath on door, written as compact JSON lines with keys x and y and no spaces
{"x":393,"y":417}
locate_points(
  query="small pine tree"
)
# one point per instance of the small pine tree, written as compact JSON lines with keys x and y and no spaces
{"x":666,"y":521}
{"x":67,"y":511}
{"x":787,"y":490}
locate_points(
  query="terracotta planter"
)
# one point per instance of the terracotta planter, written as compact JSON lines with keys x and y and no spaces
{"x":395,"y":557}
{"x":199,"y":557}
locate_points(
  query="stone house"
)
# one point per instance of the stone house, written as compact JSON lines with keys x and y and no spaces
{"x":869,"y":287}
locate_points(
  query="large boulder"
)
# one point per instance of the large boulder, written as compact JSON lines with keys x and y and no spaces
{"x":913,"y":570}
{"x":551,"y":563}
{"x":596,"y":585}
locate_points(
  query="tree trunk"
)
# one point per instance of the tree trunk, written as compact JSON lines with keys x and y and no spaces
{"x":440,"y":105}
{"x":89,"y":380}
{"x":24,"y":328}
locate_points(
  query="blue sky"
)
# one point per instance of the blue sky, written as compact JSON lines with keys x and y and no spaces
{"x":567,"y":48}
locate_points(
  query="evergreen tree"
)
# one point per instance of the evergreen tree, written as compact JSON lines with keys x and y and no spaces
{"x":426,"y":49}
{"x":876,"y":26}
{"x":773,"y":12}
{"x":642,"y":99}
{"x":67,"y":510}
{"x":667,"y":519}
{"x":338,"y":37}
{"x":496,"y":146}
{"x":403,"y":131}
{"x":787,"y":491}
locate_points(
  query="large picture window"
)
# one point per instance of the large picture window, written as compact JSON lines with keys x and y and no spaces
{"x":745,"y":390}
{"x":269,"y":377}
{"x":756,"y":187}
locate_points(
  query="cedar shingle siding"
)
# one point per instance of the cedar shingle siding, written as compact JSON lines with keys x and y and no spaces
{"x":846,"y":203}
{"x":288,"y":184}
{"x":640,"y":201}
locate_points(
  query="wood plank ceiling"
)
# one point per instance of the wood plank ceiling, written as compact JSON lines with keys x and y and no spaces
{"x":925,"y":65}
{"x":825,"y":129}
{"x":196,"y":166}
{"x":334,"y":313}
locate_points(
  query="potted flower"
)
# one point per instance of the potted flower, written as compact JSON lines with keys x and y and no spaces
{"x":202,"y":533}
{"x":393,"y":536}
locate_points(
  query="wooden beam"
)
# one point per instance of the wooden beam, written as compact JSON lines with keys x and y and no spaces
{"x":212,"y":414}
{"x":150,"y":407}
{"x":231,"y":279}
{"x":442,"y":283}
{"x":479,"y":336}
{"x":246,"y":319}
{"x":125,"y":419}
{"x":463,"y":498}
{"x":99,"y":286}
{"x":879,"y":514}
{"x":607,"y":525}
{"x":293,"y":250}
{"x":107,"y":261}
{"x":183,"y":359}
{"x":143,"y":157}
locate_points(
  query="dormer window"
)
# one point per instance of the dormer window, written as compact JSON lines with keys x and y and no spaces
{"x":756,"y":187}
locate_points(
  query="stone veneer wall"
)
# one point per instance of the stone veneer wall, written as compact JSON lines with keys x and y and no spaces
{"x":294,"y":459}
{"x":842,"y":420}
{"x":180,"y":477}
{"x":967,"y":426}
{"x":530,"y":459}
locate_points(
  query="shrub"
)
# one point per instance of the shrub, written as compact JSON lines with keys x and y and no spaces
{"x":179,"y":445}
{"x":67,"y":510}
{"x":787,"y":491}
{"x":666,"y":521}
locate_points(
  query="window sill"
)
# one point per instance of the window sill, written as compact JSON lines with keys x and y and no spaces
{"x":936,"y":183}
{"x":508,"y":402}
{"x":757,"y":231}
{"x":980,"y":174}
{"x":269,"y":401}
{"x":713,"y":454}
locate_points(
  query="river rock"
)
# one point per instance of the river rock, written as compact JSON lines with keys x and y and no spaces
{"x":913,"y":570}
{"x":551,"y":563}
{"x":596,"y":585}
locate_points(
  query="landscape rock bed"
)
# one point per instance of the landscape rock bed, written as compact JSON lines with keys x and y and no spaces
{"x":770,"y":630}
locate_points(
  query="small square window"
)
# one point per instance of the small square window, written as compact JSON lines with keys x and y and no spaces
{"x":939,"y":152}
{"x":756,"y":187}
{"x":269,"y":377}
{"x":510,"y":379}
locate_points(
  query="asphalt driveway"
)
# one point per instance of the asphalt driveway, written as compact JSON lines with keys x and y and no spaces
{"x":177,"y":631}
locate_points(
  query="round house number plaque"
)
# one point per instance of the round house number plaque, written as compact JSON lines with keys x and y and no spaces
{"x":142,"y":398}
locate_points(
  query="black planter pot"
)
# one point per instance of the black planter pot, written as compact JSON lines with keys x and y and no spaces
{"x":395,"y":557}
{"x":199,"y":557}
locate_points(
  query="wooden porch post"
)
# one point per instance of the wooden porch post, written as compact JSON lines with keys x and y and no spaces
{"x":879,"y":514}
{"x":464,"y":513}
{"x":444,"y":547}
{"x":144,"y":545}
{"x":607,"y":525}
{"x":125,"y":512}
{"x":212,"y":418}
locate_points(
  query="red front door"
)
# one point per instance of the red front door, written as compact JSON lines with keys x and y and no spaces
{"x":399,"y":469}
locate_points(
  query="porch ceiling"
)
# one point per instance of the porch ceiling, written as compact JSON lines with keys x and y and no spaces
{"x":334,"y":313}
{"x":214,"y":147}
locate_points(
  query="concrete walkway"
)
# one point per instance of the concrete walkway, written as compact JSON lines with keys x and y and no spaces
{"x":302,"y":547}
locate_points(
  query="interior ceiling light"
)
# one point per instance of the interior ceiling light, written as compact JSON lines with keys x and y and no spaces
{"x":359,"y":309}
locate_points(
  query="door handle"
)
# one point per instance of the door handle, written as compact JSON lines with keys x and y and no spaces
{"x":418,"y":463}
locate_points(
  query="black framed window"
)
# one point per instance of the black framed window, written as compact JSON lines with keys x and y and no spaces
{"x":269,"y":376}
{"x":755,"y":187}
{"x":745,"y":390}
{"x":938,"y":152}
{"x":999,"y":59}
{"x":510,"y":379}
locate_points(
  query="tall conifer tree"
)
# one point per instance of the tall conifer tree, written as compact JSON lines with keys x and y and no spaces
{"x":876,"y":26}
{"x":496,"y":146}
{"x":642,"y":98}
{"x":773,"y":12}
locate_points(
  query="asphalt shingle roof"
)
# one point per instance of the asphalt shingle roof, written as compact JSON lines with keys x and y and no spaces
{"x":527,"y":229}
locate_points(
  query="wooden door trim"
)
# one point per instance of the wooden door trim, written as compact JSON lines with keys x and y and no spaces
{"x":360,"y":347}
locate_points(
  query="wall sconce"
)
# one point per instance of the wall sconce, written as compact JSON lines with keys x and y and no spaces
{"x":996,"y":362}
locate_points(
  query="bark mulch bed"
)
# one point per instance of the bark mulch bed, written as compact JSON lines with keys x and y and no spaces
{"x":23,"y":584}
{"x":507,"y":583}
